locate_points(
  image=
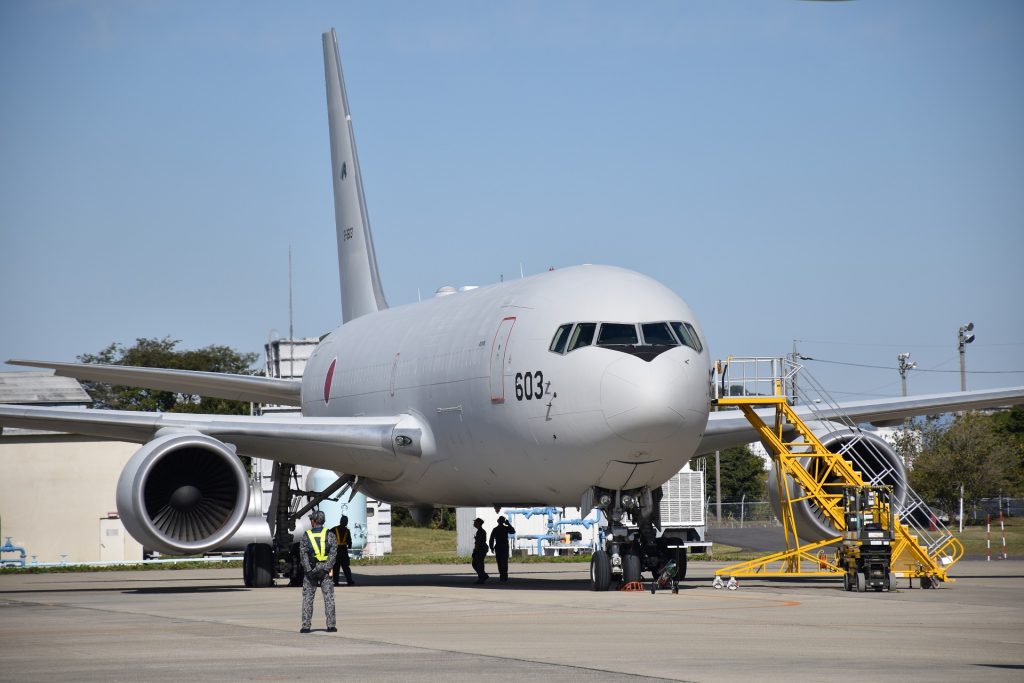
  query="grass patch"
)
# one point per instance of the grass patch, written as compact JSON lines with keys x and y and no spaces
{"x":163,"y":566}
{"x":974,"y":538}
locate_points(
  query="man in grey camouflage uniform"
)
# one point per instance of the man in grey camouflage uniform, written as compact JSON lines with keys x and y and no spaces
{"x":317,"y":552}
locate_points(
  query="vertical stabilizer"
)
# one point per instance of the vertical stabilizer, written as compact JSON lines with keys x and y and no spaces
{"x":361,"y":292}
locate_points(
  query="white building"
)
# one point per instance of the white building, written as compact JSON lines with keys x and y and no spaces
{"x":58,"y":490}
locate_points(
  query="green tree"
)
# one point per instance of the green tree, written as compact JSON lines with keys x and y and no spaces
{"x":444,"y":518}
{"x":162,"y":353}
{"x":743,"y":474}
{"x":972,"y":453}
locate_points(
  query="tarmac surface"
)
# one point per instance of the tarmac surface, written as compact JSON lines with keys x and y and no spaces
{"x":431,"y":623}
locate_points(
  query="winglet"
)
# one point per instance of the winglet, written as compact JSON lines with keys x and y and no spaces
{"x":361,"y":291}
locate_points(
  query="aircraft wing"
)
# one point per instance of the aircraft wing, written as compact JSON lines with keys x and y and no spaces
{"x":212,"y":384}
{"x":364,"y":446}
{"x":729,"y":428}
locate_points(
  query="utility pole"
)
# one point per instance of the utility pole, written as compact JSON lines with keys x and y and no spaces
{"x":794,"y":357}
{"x":904,"y":365}
{"x":963,"y":338}
{"x":718,"y":488}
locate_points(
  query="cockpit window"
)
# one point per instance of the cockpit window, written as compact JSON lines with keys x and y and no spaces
{"x":657,"y":338}
{"x":560,"y":339}
{"x":688,"y":335}
{"x":658,"y":334}
{"x":616,"y":334}
{"x":583,"y":335}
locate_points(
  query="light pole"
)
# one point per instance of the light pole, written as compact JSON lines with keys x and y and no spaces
{"x":964,"y":338}
{"x":905,"y":364}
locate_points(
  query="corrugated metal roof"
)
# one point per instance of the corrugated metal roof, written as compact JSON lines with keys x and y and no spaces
{"x":41,"y":388}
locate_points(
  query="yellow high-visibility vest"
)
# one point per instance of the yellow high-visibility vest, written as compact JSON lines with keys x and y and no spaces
{"x":318,"y":541}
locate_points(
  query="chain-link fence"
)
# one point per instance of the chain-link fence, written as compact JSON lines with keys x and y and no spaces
{"x":744,"y":513}
{"x":759,"y":513}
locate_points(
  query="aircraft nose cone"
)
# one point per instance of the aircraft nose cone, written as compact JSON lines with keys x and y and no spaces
{"x":645,"y":402}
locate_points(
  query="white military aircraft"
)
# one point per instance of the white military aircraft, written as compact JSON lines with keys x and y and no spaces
{"x":584,"y":386}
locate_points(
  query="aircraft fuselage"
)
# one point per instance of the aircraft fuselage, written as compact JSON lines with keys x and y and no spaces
{"x":508,"y":421}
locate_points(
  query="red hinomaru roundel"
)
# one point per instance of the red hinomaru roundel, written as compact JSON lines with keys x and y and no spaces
{"x":328,"y":380}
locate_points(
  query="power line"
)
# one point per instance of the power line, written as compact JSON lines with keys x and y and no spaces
{"x":892,"y":367}
{"x":894,"y":346}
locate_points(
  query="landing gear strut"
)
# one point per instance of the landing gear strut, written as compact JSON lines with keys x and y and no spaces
{"x":629,"y":552}
{"x":264,"y":562}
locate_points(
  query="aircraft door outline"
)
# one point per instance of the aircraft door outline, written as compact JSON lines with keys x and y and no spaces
{"x":499,"y":356}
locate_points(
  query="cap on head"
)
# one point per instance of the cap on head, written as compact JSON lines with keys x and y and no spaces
{"x":317,"y":517}
{"x":478,"y":521}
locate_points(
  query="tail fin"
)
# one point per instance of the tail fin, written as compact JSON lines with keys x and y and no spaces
{"x":361,"y":292}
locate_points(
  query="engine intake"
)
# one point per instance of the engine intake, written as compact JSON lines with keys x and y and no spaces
{"x":871,"y":455}
{"x":183,"y":494}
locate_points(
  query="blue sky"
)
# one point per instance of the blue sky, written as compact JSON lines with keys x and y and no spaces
{"x":847,"y":174}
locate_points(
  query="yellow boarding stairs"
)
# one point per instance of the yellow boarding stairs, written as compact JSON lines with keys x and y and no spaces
{"x":749,"y":384}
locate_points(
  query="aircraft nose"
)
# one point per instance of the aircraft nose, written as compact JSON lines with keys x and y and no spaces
{"x":647,"y":402}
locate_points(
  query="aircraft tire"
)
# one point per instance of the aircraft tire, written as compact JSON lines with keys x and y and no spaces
{"x":298,"y":572}
{"x":680,"y":564}
{"x":262,"y":565}
{"x":247,"y":559}
{"x":861,"y":583}
{"x":630,"y":568}
{"x":600,"y":571}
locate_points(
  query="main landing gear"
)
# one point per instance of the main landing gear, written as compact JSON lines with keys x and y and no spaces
{"x":633,"y":545}
{"x":263,"y":562}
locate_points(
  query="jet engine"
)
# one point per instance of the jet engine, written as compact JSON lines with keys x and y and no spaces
{"x":871,"y":455}
{"x":183,"y":493}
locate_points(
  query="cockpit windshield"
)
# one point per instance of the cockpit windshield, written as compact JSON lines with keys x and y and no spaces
{"x":644,"y":340}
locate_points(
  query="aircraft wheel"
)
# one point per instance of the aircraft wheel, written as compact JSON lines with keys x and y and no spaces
{"x":247,"y":571}
{"x":680,"y":559}
{"x":630,"y":568}
{"x":600,"y":571}
{"x":861,"y":583}
{"x":846,"y":582}
{"x":262,"y":572}
{"x":297,"y":572}
{"x":891,"y":583}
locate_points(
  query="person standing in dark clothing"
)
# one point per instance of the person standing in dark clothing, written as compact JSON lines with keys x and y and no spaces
{"x":479,"y":550}
{"x":344,"y":538}
{"x":317,"y":551}
{"x":499,"y":546}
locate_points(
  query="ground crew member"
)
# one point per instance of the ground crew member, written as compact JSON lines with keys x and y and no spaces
{"x":479,"y":550}
{"x":499,"y":546}
{"x":344,"y":538}
{"x":317,"y":552}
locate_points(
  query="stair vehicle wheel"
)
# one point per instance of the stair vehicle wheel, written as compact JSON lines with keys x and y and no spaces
{"x":262,"y":564}
{"x":861,"y":583}
{"x":926,"y":582}
{"x":600,"y":571}
{"x":630,"y":568}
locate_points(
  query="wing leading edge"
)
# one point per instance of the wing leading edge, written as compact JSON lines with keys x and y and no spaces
{"x":212,"y":384}
{"x":363,"y":446}
{"x":729,"y":428}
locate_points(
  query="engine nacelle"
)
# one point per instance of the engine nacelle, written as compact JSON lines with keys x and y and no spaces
{"x":183,"y":494}
{"x":871,"y":455}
